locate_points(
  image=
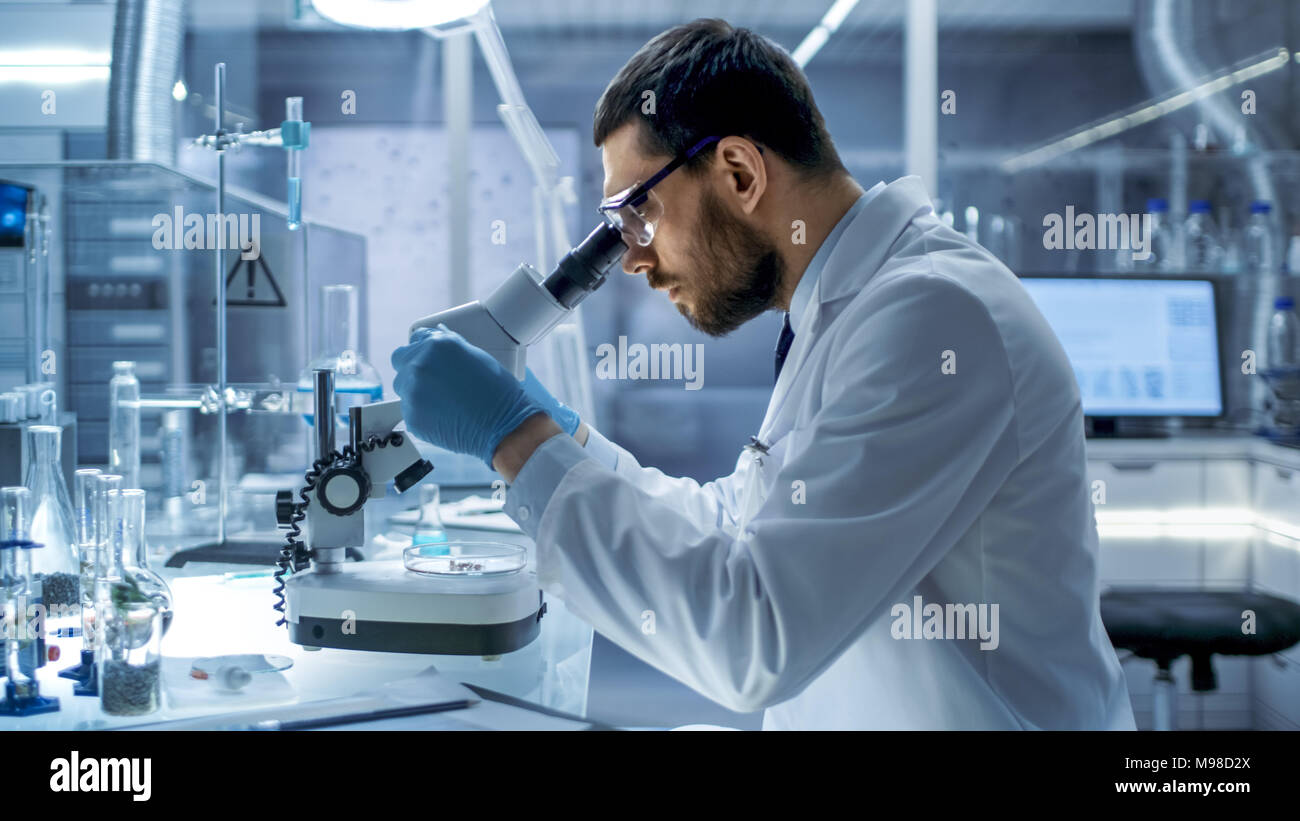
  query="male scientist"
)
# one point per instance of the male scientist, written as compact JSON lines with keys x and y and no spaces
{"x":909,"y":541}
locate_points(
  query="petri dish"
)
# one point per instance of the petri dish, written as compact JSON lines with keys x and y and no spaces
{"x":460,"y":559}
{"x":252,"y":662}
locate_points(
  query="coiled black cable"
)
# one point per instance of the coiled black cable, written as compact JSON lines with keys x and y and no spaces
{"x":294,"y":553}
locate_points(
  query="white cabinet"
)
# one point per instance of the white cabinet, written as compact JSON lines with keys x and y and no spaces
{"x":1277,"y":497}
{"x":1228,"y":484}
{"x":1147,"y":484}
{"x":1214,"y":512}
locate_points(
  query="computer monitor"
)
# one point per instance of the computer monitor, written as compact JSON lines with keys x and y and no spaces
{"x":1139,"y":347}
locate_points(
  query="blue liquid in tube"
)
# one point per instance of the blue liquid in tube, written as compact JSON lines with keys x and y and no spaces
{"x":295,"y":203}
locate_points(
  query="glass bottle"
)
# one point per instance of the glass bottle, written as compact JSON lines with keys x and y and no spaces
{"x":55,"y":567}
{"x":356,"y":382}
{"x":1261,"y":241}
{"x":135,"y":555}
{"x":124,"y":424}
{"x":128,"y":635}
{"x":1202,"y":251}
{"x":429,"y":529}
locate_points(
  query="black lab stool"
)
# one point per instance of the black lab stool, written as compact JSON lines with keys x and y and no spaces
{"x":1162,"y":624}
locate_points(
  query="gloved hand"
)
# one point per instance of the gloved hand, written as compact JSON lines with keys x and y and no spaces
{"x":456,"y":396}
{"x":564,"y":416}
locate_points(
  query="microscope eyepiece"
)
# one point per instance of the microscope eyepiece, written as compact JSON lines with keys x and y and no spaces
{"x":583,"y":269}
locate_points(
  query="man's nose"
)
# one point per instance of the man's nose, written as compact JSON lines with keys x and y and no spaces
{"x":638,"y":259}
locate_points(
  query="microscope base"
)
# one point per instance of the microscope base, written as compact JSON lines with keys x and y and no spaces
{"x":383,"y":607}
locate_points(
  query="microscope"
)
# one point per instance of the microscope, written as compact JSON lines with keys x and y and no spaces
{"x":329,"y":601}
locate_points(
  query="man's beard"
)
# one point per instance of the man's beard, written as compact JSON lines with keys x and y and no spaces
{"x":739,"y":271}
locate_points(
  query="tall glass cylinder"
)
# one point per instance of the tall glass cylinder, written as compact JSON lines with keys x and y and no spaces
{"x":124,"y":423}
{"x":55,"y":567}
{"x":135,"y":555}
{"x":107,"y":499}
{"x":338,"y":327}
{"x":87,"y":486}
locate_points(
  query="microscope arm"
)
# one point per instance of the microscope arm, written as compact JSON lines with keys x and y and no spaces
{"x":524,"y":308}
{"x":519,"y":313}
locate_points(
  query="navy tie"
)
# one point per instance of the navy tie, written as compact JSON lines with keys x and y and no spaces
{"x":783,"y":344}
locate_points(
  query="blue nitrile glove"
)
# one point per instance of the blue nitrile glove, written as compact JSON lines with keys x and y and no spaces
{"x":456,"y":396}
{"x":564,"y":416}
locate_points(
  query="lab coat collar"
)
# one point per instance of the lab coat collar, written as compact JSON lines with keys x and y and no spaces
{"x":803,"y":292}
{"x":865,"y":245}
{"x":855,"y":259}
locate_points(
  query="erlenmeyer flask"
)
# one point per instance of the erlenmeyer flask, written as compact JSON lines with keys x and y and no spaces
{"x":55,"y":567}
{"x":429,"y":531}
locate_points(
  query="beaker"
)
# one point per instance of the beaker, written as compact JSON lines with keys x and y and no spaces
{"x":356,"y":382}
{"x":124,"y":423}
{"x":128,"y":630}
{"x":130,"y":664}
{"x":55,"y":567}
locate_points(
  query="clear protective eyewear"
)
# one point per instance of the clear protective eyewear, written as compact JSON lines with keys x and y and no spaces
{"x":636,"y":209}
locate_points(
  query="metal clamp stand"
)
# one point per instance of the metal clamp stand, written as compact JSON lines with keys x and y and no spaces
{"x":293,"y":136}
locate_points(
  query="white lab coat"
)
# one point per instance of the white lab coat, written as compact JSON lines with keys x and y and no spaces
{"x":887,"y":478}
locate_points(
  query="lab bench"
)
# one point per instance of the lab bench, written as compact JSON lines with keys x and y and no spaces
{"x":1216,"y":511}
{"x":227,"y":609}
{"x":1191,"y":511}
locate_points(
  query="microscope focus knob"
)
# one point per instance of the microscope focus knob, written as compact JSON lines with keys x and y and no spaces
{"x":342,"y":489}
{"x":284,"y":507}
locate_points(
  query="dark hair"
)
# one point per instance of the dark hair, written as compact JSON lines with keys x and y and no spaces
{"x":710,"y":79}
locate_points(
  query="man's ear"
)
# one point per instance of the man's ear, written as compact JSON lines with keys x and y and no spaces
{"x":746,"y":173}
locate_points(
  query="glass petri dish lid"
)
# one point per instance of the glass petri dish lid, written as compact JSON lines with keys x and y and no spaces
{"x":460,"y":559}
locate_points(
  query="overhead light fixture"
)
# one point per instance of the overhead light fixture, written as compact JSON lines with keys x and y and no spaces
{"x":1145,"y":113}
{"x":823,"y":31}
{"x":436,"y":18}
{"x":53,"y":66}
{"x":396,"y":15}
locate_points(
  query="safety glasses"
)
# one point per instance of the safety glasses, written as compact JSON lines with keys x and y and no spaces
{"x":636,"y":209}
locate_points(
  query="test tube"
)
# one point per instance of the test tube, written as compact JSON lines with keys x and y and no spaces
{"x":293,"y":169}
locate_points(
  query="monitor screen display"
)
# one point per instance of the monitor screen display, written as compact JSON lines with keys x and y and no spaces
{"x":1139,"y":347}
{"x":13,"y":214}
